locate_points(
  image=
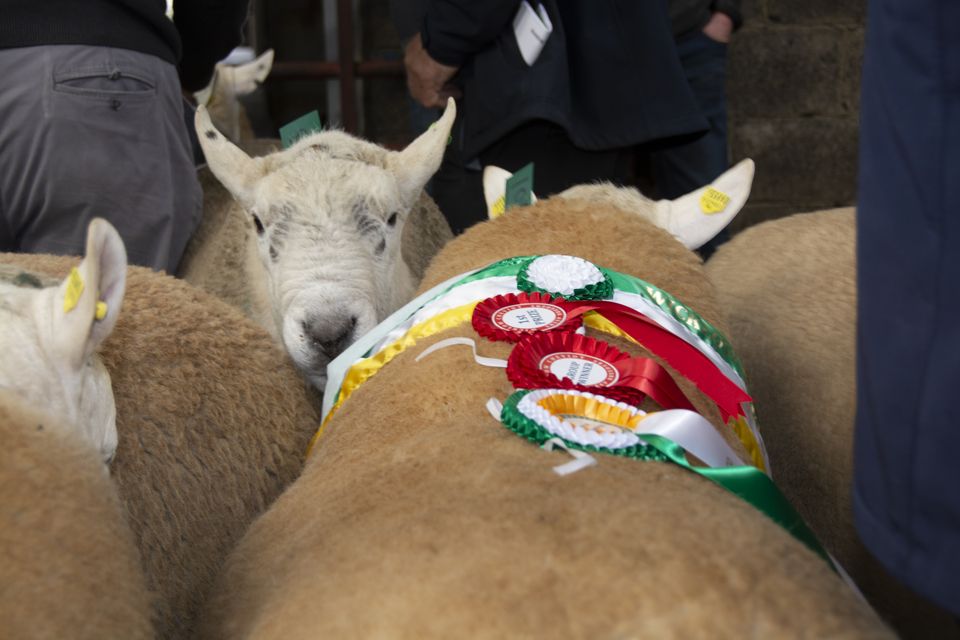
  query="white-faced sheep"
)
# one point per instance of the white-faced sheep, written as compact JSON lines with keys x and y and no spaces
{"x":221,"y":96}
{"x":788,"y":288}
{"x":69,"y":565}
{"x":326,"y":237}
{"x":212,"y":422}
{"x":420,"y":515}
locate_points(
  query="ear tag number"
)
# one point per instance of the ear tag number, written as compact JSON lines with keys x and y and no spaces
{"x":74,"y":290}
{"x":713,"y":201}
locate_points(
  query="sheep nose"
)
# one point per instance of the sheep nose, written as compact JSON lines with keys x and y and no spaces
{"x":330,"y":335}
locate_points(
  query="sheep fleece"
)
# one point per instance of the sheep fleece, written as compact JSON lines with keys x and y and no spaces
{"x":69,"y":564}
{"x":788,"y":288}
{"x":212,"y":420}
{"x":420,"y":516}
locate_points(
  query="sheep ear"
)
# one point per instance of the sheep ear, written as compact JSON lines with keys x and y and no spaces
{"x":415,"y":165}
{"x":87,"y":303}
{"x":246,"y":77}
{"x":694,"y":219}
{"x":495,"y":190}
{"x":237,"y":171}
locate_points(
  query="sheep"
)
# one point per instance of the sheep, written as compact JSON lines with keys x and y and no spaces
{"x":788,"y":288}
{"x":212,"y":422}
{"x":70,"y":565}
{"x":325,"y":239}
{"x":419,"y":515}
{"x":221,"y":96}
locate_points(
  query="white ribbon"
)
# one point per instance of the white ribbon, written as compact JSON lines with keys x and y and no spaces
{"x":694,"y":433}
{"x":581,"y":459}
{"x":467,"y":342}
{"x":495,"y":407}
{"x":338,"y":367}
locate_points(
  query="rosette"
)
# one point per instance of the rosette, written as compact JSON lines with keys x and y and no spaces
{"x":582,"y":420}
{"x":567,"y":360}
{"x":565,"y":276}
{"x":509,"y":317}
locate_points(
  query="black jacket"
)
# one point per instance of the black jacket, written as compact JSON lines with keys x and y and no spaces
{"x":687,"y":15}
{"x":609,"y":74}
{"x":203,"y":31}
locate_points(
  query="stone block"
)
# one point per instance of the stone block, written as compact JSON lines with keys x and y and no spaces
{"x":784,"y":72}
{"x":807,"y":161}
{"x":753,"y":11}
{"x":833,"y":12}
{"x":851,"y":69}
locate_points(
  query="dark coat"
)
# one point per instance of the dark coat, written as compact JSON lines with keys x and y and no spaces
{"x":201,"y":33}
{"x":609,"y":74}
{"x":907,"y":480}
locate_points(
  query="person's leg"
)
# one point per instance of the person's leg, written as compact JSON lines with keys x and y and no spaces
{"x":906,"y":498}
{"x":99,"y":133}
{"x":680,"y":169}
{"x":558,"y":164}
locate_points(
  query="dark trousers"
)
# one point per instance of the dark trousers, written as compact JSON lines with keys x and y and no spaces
{"x":680,"y":169}
{"x":558,"y":165}
{"x":906,"y":477}
{"x":94,"y":132}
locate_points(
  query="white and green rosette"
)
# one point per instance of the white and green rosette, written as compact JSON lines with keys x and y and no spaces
{"x":569,"y":277}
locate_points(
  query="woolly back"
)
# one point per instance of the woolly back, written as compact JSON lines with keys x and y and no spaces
{"x":70,"y":565}
{"x":212,"y":420}
{"x":420,"y":515}
{"x":788,"y":287}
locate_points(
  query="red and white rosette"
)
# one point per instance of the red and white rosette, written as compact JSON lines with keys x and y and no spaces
{"x":512,"y":316}
{"x":567,"y":360}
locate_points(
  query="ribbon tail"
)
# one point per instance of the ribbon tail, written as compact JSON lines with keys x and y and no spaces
{"x":581,"y":459}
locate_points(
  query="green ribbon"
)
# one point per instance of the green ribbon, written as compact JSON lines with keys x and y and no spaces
{"x":628,"y":284}
{"x":748,"y":482}
{"x":751,"y":485}
{"x":596,"y":291}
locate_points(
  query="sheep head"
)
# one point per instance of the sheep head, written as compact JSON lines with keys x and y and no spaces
{"x":51,"y":334}
{"x":693,"y":219}
{"x":325,"y":219}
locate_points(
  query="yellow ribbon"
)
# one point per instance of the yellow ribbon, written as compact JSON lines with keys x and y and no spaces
{"x":364,"y":369}
{"x":565,"y":405}
{"x":739,"y":425}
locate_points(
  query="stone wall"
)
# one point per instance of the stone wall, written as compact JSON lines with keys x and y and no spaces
{"x":793,"y":85}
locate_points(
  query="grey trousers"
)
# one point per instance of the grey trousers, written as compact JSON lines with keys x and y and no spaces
{"x":94,"y":132}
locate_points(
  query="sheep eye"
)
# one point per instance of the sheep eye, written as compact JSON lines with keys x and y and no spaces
{"x":392,"y":220}
{"x":258,"y":224}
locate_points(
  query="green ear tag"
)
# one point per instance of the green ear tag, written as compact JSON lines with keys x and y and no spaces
{"x":302,"y":126}
{"x":520,"y":188}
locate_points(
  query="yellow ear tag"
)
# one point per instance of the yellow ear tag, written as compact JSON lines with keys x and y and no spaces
{"x":713,"y":201}
{"x":498,"y":207}
{"x":101,"y":312}
{"x":74,"y":290}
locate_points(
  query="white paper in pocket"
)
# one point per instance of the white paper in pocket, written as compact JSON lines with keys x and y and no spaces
{"x":531,"y":28}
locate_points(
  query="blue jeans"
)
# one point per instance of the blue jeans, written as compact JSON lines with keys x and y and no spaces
{"x":684,"y":168}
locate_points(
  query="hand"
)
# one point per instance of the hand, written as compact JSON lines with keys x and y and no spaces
{"x":719,"y":28}
{"x":427,"y":79}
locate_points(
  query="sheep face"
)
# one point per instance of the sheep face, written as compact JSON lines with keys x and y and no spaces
{"x":325,"y":220}
{"x":51,"y":334}
{"x":330,"y":255}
